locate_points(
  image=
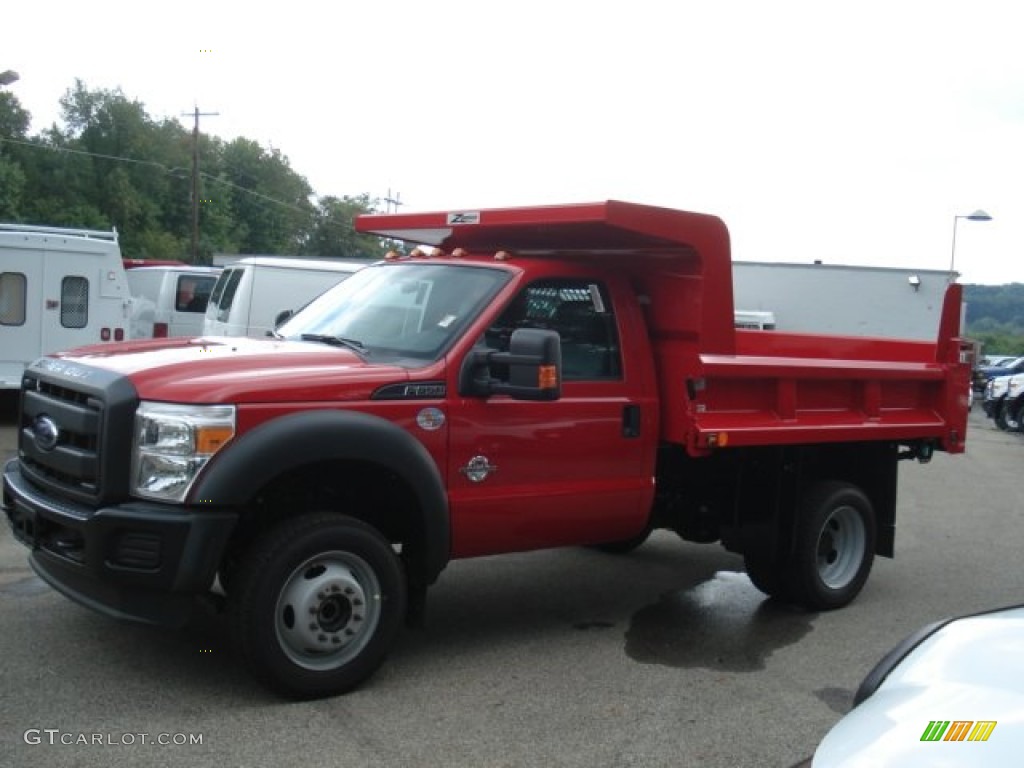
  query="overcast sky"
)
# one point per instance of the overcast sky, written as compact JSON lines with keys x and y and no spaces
{"x":848,"y":132}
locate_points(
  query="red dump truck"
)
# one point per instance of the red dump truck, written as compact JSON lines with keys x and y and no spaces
{"x":528,"y":378}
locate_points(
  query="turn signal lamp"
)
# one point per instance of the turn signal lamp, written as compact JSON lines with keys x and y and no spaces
{"x":209,"y":439}
{"x":547,"y":377}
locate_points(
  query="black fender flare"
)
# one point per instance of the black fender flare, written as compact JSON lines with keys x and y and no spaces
{"x":250,"y":461}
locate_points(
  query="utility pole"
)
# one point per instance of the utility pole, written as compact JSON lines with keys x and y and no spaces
{"x":395,"y":201}
{"x":195,"y":181}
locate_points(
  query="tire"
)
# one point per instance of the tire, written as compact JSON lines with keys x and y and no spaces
{"x":768,"y":576}
{"x":625,"y":546}
{"x":1001,"y":415}
{"x":316,"y":604}
{"x":1011,"y":416}
{"x":834,"y":546}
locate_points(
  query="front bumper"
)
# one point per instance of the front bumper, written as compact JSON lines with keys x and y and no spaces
{"x":138,"y":560}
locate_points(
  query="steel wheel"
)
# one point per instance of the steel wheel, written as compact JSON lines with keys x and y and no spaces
{"x":328,"y":610}
{"x":841,"y":545}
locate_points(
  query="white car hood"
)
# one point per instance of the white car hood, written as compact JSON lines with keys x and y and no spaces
{"x":968,"y":672}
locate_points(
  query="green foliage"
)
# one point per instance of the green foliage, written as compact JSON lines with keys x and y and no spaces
{"x":13,"y":119}
{"x":12,"y":185}
{"x":110,"y":164}
{"x":995,"y":317}
{"x":333,"y":233}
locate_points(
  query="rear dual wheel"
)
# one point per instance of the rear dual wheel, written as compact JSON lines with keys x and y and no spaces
{"x":833,"y":550}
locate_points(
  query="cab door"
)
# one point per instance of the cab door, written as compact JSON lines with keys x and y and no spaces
{"x":526,"y":475}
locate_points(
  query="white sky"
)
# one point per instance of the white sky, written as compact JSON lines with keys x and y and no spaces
{"x":848,"y":132}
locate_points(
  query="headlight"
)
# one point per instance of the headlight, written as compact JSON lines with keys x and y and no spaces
{"x":172,"y":443}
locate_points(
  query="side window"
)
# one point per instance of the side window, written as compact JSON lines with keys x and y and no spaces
{"x":74,"y":302}
{"x":581,"y":314}
{"x":12,"y":298}
{"x":228,"y":294}
{"x":193,"y":293}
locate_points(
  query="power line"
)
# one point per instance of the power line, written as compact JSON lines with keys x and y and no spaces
{"x":175,"y":171}
{"x":179,"y":172}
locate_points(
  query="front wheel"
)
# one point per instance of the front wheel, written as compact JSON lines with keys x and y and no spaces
{"x":1012,"y":416}
{"x":834,"y":546}
{"x":317,"y":602}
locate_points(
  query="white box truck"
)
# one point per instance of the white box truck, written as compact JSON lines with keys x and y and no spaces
{"x":59,"y":288}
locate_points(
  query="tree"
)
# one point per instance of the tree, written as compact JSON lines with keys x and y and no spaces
{"x":334,"y":231}
{"x":269,"y":201}
{"x":109,"y":163}
{"x":14,"y":123}
{"x":12,"y":184}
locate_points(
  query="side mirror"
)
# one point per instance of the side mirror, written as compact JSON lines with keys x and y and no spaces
{"x":283,"y":317}
{"x":530,"y":370}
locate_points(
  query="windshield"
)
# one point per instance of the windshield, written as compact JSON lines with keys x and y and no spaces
{"x":398,"y":310}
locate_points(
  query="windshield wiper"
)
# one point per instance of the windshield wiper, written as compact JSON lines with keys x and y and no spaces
{"x":336,"y":341}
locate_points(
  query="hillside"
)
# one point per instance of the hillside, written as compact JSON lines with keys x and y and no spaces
{"x":995,"y":316}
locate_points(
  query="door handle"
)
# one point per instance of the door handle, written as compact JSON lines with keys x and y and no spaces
{"x":631,"y":421}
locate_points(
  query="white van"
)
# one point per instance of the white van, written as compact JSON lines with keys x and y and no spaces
{"x":169,"y":300}
{"x":59,"y":288}
{"x":252,"y":293}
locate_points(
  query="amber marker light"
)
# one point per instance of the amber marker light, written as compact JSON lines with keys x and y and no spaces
{"x":210,"y":439}
{"x":547,"y":376}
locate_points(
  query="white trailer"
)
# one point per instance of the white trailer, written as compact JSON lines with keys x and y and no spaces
{"x":59,"y":288}
{"x":842,"y":299}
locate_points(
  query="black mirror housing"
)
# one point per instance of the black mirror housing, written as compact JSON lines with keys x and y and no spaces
{"x":534,"y":363}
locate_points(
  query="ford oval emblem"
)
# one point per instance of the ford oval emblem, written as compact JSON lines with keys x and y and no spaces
{"x":46,"y":432}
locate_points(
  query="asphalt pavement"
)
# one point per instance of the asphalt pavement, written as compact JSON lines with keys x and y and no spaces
{"x":572,"y":657}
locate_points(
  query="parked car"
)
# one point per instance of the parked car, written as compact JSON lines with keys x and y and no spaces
{"x":968,"y":672}
{"x":984,"y":374}
{"x":1004,"y":399}
{"x":254,"y":294}
{"x":169,"y":300}
{"x":992,"y":360}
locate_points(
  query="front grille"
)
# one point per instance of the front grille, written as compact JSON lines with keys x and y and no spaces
{"x":75,"y":432}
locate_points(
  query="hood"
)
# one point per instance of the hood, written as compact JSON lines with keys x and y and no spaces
{"x":239,"y":370}
{"x":971,"y":670}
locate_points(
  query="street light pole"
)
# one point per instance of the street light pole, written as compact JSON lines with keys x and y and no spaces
{"x":978,"y":215}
